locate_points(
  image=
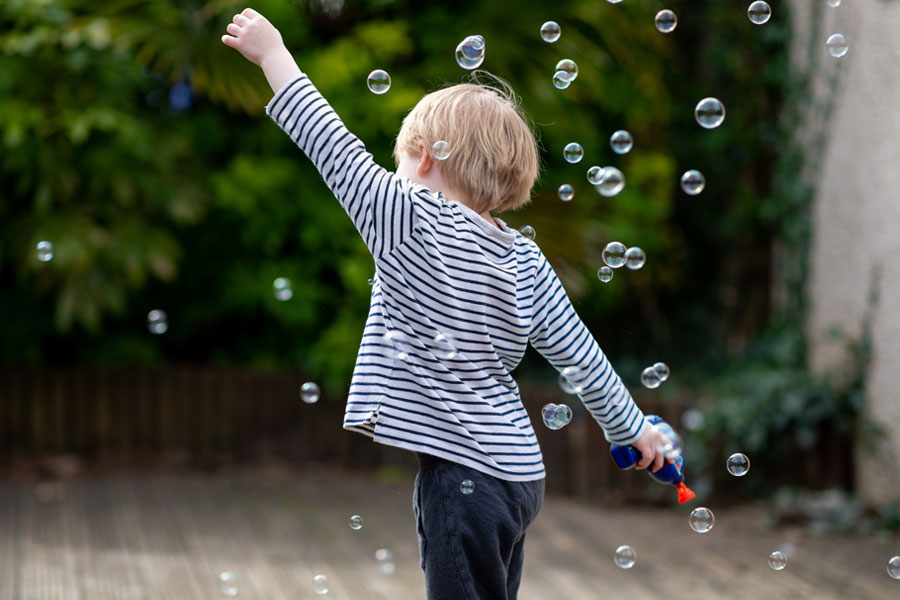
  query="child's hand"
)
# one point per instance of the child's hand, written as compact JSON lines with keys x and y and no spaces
{"x":253,"y":36}
{"x":651,"y":446}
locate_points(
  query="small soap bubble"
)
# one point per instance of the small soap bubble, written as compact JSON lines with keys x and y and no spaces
{"x":528,"y":232}
{"x":693,"y":182}
{"x":157,"y":322}
{"x":470,"y":52}
{"x":833,"y":3}
{"x":662,"y":369}
{"x":44,"y":251}
{"x":612,"y":181}
{"x":550,"y":31}
{"x":356,"y":522}
{"x":561,"y":80}
{"x":281,"y":287}
{"x":572,"y":380}
{"x":441,"y":150}
{"x":467,"y":487}
{"x":229,"y":591}
{"x":444,"y":346}
{"x":893,"y":567}
{"x":398,"y":346}
{"x":709,"y":112}
{"x":226,"y":577}
{"x":566,"y":192}
{"x":666,"y":21}
{"x":777,"y":560}
{"x":320,"y":584}
{"x":595,"y":175}
{"x":759,"y":12}
{"x":701,"y":520}
{"x":385,"y":560}
{"x":621,"y":142}
{"x":613,"y":254}
{"x":650,"y":378}
{"x":605,"y":274}
{"x":837,"y":45}
{"x":692,"y":419}
{"x":228,"y":584}
{"x":379,"y":81}
{"x":635,"y":258}
{"x":556,"y":416}
{"x":370,"y":281}
{"x":625,"y":557}
{"x":568,"y":66}
{"x":573,"y":152}
{"x":310,"y":392}
{"x":738,"y":464}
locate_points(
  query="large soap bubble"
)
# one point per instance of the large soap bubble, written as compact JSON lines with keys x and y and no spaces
{"x":709,"y":112}
{"x":470,"y":52}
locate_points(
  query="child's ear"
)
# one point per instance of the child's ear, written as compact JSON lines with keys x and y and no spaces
{"x":425,"y":161}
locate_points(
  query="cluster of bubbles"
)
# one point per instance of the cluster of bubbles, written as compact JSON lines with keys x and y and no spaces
{"x":666,"y":21}
{"x":282,"y":289}
{"x":356,"y":522}
{"x":615,"y":255}
{"x":625,"y":557}
{"x":385,"y":560}
{"x":310,"y":392}
{"x":467,"y":486}
{"x":157,"y":322}
{"x":320,"y":584}
{"x":440,"y":150}
{"x":44,"y":251}
{"x":565,"y":73}
{"x":693,"y":182}
{"x":228,"y":584}
{"x":655,"y":375}
{"x":470,"y":52}
{"x":379,"y":81}
{"x":556,"y":416}
{"x":738,"y":464}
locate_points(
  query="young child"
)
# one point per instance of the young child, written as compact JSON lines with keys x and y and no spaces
{"x":444,"y":265}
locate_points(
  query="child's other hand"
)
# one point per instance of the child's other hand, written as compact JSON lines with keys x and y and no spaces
{"x":651,"y":446}
{"x":253,"y":36}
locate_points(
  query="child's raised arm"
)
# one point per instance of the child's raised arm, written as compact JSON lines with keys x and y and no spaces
{"x":380,"y":204}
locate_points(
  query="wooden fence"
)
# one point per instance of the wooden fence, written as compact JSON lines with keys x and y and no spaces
{"x":210,"y":416}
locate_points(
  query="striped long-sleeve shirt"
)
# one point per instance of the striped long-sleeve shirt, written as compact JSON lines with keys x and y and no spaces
{"x":443,"y":269}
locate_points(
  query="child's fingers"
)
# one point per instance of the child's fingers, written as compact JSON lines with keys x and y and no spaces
{"x":241,"y":20}
{"x":233,"y":29}
{"x":249,"y":12}
{"x":229,"y":41}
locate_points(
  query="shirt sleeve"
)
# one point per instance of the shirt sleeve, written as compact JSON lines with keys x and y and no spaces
{"x":563,"y":339}
{"x":378,"y":202}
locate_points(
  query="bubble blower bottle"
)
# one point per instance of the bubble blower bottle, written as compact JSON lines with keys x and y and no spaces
{"x":627,"y":456}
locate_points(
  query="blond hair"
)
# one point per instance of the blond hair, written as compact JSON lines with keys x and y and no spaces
{"x":493,"y":158}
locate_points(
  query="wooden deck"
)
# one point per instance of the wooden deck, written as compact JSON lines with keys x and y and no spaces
{"x":167,"y":537}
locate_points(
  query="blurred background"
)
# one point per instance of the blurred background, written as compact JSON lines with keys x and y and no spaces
{"x":139,"y":173}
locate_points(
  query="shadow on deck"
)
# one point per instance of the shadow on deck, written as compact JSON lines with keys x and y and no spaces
{"x":168,"y":537}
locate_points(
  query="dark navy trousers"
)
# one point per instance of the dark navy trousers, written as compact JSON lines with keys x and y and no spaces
{"x":471,"y":546}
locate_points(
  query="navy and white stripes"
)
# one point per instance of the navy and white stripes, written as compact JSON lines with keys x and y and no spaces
{"x":442,"y":268}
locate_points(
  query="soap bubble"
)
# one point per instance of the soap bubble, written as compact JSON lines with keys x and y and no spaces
{"x":621,"y":142}
{"x":595,"y":175}
{"x":759,"y":12}
{"x":561,"y":80}
{"x":613,"y":254}
{"x":228,"y":584}
{"x":605,"y":274}
{"x":635,"y":258}
{"x":777,"y":560}
{"x":662,"y":369}
{"x":44,"y":251}
{"x":893,"y":567}
{"x":614,"y":1}
{"x":625,"y":557}
{"x":356,"y":522}
{"x":157,"y":322}
{"x":693,"y":182}
{"x":310,"y":392}
{"x":370,"y":281}
{"x":566,"y":192}
{"x":470,"y":52}
{"x":709,"y":112}
{"x":702,"y":519}
{"x":379,"y":81}
{"x":650,"y":378}
{"x":226,"y":576}
{"x":528,"y":232}
{"x":572,"y":380}
{"x":738,"y":464}
{"x":692,"y":419}
{"x":282,"y":289}
{"x":833,"y":3}
{"x":666,"y":21}
{"x":556,"y":416}
{"x":573,"y":152}
{"x":569,"y":67}
{"x":398,"y":344}
{"x":320,"y":583}
{"x":385,"y":560}
{"x":612,"y":181}
{"x":550,"y":31}
{"x":444,"y":346}
{"x":440,"y":150}
{"x":837,"y":45}
{"x":467,"y":487}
